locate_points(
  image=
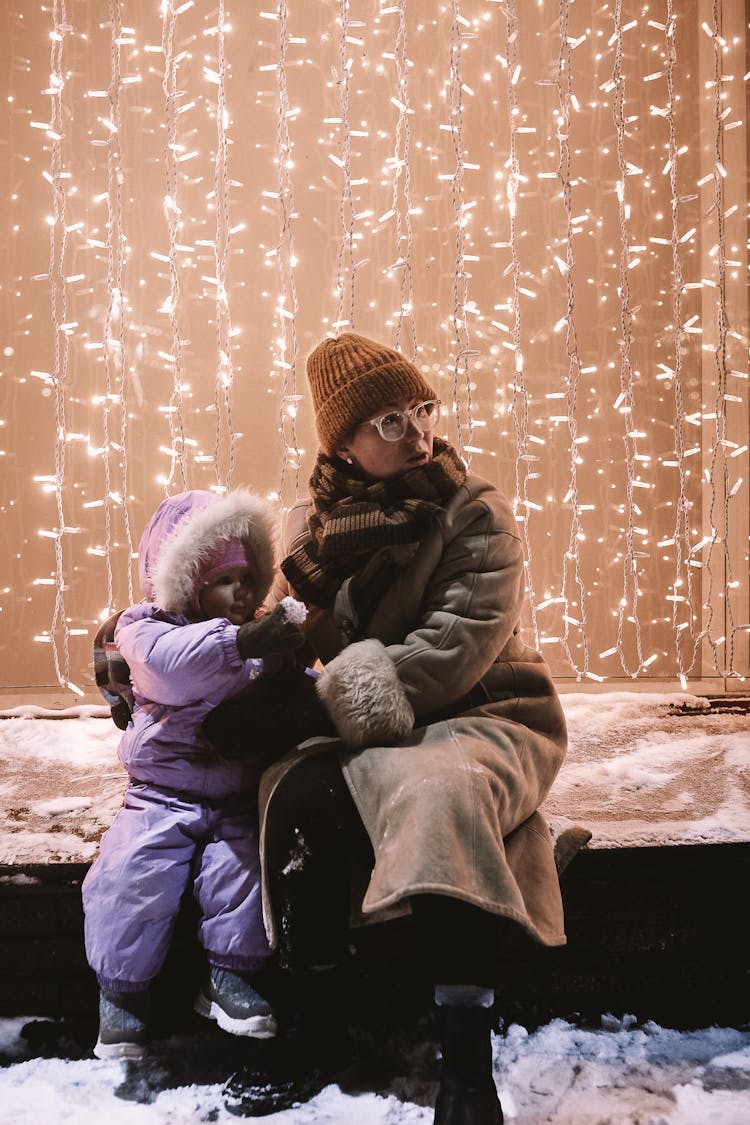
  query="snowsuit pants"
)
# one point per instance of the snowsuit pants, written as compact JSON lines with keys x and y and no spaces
{"x":158,"y":842}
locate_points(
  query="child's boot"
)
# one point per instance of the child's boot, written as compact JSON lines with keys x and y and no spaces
{"x":122,"y":1025}
{"x":231,"y":1000}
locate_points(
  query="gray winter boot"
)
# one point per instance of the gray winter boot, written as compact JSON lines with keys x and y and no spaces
{"x":122,"y":1025}
{"x":230,"y":999}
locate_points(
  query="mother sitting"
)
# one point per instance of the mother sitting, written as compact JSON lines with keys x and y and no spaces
{"x":451,"y":732}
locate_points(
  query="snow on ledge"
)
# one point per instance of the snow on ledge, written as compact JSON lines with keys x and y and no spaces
{"x":643,"y":769}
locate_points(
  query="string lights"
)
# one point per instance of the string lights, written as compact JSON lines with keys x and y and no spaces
{"x":284,"y":252}
{"x":718,"y":509}
{"x":172,"y":213}
{"x":628,"y":607}
{"x":519,"y":400}
{"x":461,"y":380}
{"x":225,"y":366}
{"x":113,"y":352}
{"x":531,"y":201}
{"x":401,"y":203}
{"x":59,"y":630}
{"x":683,"y":610}
{"x":571,"y":559}
{"x":342,"y":77}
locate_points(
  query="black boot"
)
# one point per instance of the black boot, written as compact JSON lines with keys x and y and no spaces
{"x":314,"y":1045}
{"x":467,"y":1094}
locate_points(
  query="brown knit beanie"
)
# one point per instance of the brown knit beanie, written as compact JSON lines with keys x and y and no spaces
{"x":351,"y":378}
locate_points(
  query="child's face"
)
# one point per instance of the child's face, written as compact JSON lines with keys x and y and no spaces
{"x":230,"y":594}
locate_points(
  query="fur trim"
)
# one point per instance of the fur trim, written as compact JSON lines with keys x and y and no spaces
{"x":239,"y":515}
{"x":364,"y":697}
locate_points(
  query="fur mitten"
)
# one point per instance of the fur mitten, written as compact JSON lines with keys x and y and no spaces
{"x":363,"y":695}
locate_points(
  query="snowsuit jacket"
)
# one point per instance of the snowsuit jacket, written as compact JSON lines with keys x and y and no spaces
{"x":189,"y":815}
{"x":180,"y":671}
{"x":451,"y":730}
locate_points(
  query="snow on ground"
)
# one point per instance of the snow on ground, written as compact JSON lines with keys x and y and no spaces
{"x":642,"y":768}
{"x":618,"y":1074}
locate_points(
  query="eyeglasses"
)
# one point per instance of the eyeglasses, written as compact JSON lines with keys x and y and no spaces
{"x":393,"y":425}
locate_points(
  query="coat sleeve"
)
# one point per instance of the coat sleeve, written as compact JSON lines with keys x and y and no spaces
{"x":180,"y":664}
{"x":470,"y":610}
{"x":468,"y":613}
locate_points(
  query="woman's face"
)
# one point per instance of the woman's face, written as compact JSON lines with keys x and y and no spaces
{"x":378,"y":458}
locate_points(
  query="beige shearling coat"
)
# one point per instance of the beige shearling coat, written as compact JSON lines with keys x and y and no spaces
{"x":451,"y":729}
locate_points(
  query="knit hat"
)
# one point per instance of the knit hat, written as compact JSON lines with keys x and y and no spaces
{"x":351,"y":378}
{"x":227,"y":555}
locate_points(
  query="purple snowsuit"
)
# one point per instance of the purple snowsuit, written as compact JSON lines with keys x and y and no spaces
{"x":189,"y":814}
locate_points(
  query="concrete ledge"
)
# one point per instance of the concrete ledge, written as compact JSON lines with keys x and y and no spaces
{"x":653,"y":931}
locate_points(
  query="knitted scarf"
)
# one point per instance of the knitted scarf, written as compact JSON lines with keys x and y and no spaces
{"x":349,"y":518}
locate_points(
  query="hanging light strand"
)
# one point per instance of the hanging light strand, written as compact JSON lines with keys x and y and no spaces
{"x":718,"y":472}
{"x":682,"y":602}
{"x":402,"y":202}
{"x":518,"y":408}
{"x":59,"y":631}
{"x":346,"y":202}
{"x":630,"y":589}
{"x":286,"y":259}
{"x":224,"y":382}
{"x":461,"y":376}
{"x":172,"y":215}
{"x":571,"y":557}
{"x":107,"y":353}
{"x":114,"y":321}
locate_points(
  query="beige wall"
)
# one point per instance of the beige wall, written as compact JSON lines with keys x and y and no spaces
{"x":601,"y":520}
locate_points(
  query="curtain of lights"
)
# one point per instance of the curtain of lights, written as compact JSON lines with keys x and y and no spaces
{"x":544,"y":204}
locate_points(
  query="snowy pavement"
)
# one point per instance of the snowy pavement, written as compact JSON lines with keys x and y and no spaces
{"x":618,"y":1074}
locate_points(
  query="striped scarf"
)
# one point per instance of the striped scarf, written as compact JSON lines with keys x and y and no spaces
{"x":349,"y":518}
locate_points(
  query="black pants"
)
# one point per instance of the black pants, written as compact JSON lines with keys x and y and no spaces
{"x":315,"y":841}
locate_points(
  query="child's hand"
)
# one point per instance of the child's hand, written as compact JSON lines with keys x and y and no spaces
{"x":271,"y":715}
{"x":272,"y":635}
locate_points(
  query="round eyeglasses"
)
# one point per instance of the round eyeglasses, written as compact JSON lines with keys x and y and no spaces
{"x":393,"y":425}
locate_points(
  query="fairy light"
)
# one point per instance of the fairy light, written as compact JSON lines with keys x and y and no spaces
{"x":61,"y":342}
{"x":572,"y":556}
{"x":288,"y":309}
{"x":222,"y":243}
{"x":721,"y":493}
{"x":172,"y":215}
{"x":461,"y":379}
{"x":402,"y":202}
{"x":346,"y":201}
{"x":628,"y":607}
{"x":113,"y":353}
{"x":518,"y":408}
{"x":682,"y":604}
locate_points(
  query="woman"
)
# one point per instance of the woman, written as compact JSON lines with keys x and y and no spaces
{"x":450,"y":730}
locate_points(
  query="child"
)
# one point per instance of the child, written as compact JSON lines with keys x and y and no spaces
{"x":189,"y":812}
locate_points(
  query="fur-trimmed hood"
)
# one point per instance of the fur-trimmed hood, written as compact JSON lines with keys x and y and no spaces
{"x":186,"y":530}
